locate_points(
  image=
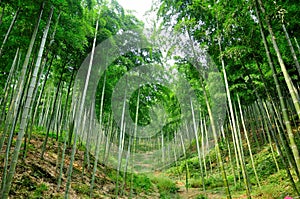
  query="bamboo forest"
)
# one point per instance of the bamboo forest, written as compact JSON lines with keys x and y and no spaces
{"x":190,"y":99}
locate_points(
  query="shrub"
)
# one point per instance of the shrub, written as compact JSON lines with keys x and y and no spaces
{"x":195,"y":183}
{"x":40,"y":189}
{"x":166,"y":187}
{"x":141,"y":183}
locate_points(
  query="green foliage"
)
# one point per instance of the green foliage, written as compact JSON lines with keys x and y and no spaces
{"x":141,"y":183}
{"x":30,"y":188}
{"x":40,"y":189}
{"x":195,"y":183}
{"x":232,"y":22}
{"x":242,"y":50}
{"x":214,"y":181}
{"x":113,"y":175}
{"x":201,"y":196}
{"x":167,"y":188}
{"x":265,"y":164}
{"x":274,"y":191}
{"x":82,"y":189}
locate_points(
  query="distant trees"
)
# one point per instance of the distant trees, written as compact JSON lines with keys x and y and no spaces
{"x":234,"y":34}
{"x":253,"y":44}
{"x":38,"y":84}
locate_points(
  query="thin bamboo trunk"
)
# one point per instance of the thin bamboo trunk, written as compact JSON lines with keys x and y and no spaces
{"x":198,"y":147}
{"x":248,"y":143}
{"x":291,"y":48}
{"x":268,"y":129}
{"x":283,"y":138}
{"x":6,"y":89}
{"x":237,"y":161}
{"x":44,"y":62}
{"x":287,"y":78}
{"x":233,"y":121}
{"x":283,"y":159}
{"x":121,"y":142}
{"x":52,"y":113}
{"x":239,"y":143}
{"x":6,"y":188}
{"x":298,"y":47}
{"x":134,"y":141}
{"x":281,"y":98}
{"x":207,"y":145}
{"x":228,"y":195}
{"x":72,"y":158}
{"x":71,"y":128}
{"x":81,"y":109}
{"x":186,"y":164}
{"x":97,"y":151}
{"x":252,"y":127}
{"x":86,"y":159}
{"x":230,"y":157}
{"x":9,"y":30}
{"x":203,"y":146}
{"x":19,"y":92}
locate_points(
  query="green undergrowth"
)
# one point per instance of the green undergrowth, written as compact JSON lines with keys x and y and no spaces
{"x":166,"y":187}
{"x":38,"y":182}
{"x":37,"y":178}
{"x":274,"y":183}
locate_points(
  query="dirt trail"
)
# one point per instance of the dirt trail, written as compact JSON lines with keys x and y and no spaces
{"x":194,"y":192}
{"x":191,"y":193}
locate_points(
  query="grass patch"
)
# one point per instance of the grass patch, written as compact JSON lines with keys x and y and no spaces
{"x":40,"y":189}
{"x":166,"y":187}
{"x":80,"y":188}
{"x":141,"y":183}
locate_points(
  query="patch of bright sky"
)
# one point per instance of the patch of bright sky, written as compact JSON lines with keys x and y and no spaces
{"x":139,"y":7}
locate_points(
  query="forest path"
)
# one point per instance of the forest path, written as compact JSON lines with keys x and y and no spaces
{"x":192,"y":193}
